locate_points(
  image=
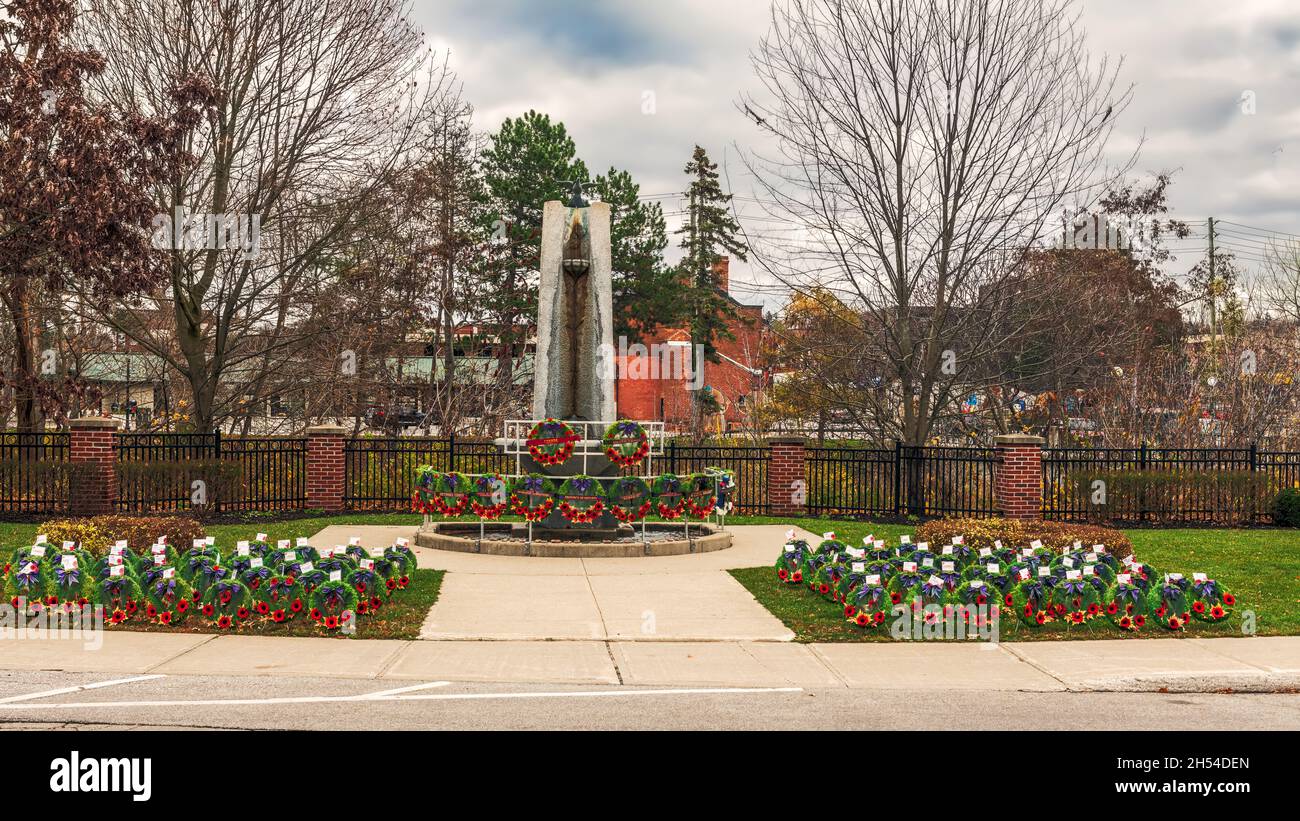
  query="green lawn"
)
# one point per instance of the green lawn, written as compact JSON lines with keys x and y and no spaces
{"x":1261,"y":566}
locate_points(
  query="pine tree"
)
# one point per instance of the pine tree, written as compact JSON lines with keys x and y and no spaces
{"x":709,"y":231}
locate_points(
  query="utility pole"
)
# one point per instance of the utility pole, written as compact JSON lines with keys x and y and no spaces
{"x":1213,"y":287}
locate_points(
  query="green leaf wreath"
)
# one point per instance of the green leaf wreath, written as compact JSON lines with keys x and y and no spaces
{"x":670,"y":502}
{"x":582,"y":499}
{"x":488,"y":496}
{"x":550,"y":442}
{"x":629,"y":498}
{"x":625,"y":443}
{"x":701,"y":497}
{"x":532,"y":496}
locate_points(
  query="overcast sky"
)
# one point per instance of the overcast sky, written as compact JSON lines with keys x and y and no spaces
{"x":592,"y":63}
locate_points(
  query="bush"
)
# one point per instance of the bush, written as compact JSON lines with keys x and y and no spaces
{"x":97,"y":533}
{"x":1015,"y":533}
{"x":1286,"y":507}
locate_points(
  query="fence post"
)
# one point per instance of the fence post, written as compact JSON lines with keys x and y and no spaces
{"x":325,"y":467}
{"x":787,"y":486}
{"x":898,"y":477}
{"x":1018,"y":480}
{"x":93,"y":486}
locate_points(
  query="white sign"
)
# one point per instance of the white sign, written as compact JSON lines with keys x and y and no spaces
{"x":282,"y":544}
{"x":261,"y":537}
{"x":985,"y":552}
{"x":1072,"y":574}
{"x":38,"y":550}
{"x":927,"y":563}
{"x":241,"y":548}
{"x":873,"y":579}
{"x":859,"y":567}
{"x":948,"y":567}
{"x":905,"y":539}
{"x":336,"y":575}
{"x":255,"y":563}
{"x":1087,"y":570}
{"x":117,"y":570}
{"x":404,"y":542}
{"x":354,"y":541}
{"x":291,"y":556}
{"x":40,"y":538}
{"x":169,"y":572}
{"x":1036,"y":544}
{"x":1200,"y":577}
{"x":935,"y":581}
{"x":959,"y":540}
{"x":302,"y":541}
{"x":991,"y":567}
{"x":69,"y":562}
{"x":1124,"y":578}
{"x":976,"y":583}
{"x":909,"y":567}
{"x":1043,"y":572}
{"x":307,"y":567}
{"x":367,"y":564}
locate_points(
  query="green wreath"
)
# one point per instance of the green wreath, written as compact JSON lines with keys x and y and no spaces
{"x":868,"y":605}
{"x":168,"y":600}
{"x":25,"y":584}
{"x":701,"y":497}
{"x":532,"y":496}
{"x":670,"y":502}
{"x":1031,"y":601}
{"x":550,"y":442}
{"x":1211,"y":601}
{"x":284,"y":598}
{"x":789,"y":565}
{"x":488,"y":495}
{"x":333,"y":604}
{"x":629,"y":498}
{"x":75,"y":584}
{"x":1172,"y":599}
{"x":120,"y":596}
{"x":1128,"y":605}
{"x":582,"y":499}
{"x":451,"y":496}
{"x":828,"y":578}
{"x":228,"y":603}
{"x":625,"y":443}
{"x":1076,"y":600}
{"x":426,"y":486}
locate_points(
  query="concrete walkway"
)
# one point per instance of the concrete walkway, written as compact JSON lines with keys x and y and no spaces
{"x":655,"y":598}
{"x":1198,"y":665}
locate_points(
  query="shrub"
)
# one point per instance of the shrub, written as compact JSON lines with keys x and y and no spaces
{"x":1286,"y":507}
{"x":1016,"y":533}
{"x":97,"y":533}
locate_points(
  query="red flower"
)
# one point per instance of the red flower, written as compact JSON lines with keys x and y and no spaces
{"x":224,"y":622}
{"x":1007,"y":600}
{"x":315,"y":614}
{"x":165,"y":617}
{"x":289,"y":579}
{"x":208,"y":610}
{"x":263,"y":608}
{"x":1160,"y":611}
{"x":824,"y":588}
{"x":51,"y":600}
{"x":1076,"y":617}
{"x":1125,"y":622}
{"x":331,"y":622}
{"x":1060,"y":609}
{"x":375,"y":603}
{"x":1139,"y":619}
{"x":895,"y":598}
{"x":296,"y":606}
{"x":1093,"y":609}
{"x":150,"y":611}
{"x":243,"y":613}
{"x":182,"y":606}
{"x":196,"y":595}
{"x":797,"y":577}
{"x":1229,"y":599}
{"x":981,"y":599}
{"x":255,"y":583}
{"x":118,"y":617}
{"x":131,"y":607}
{"x":278,"y":616}
{"x":1128,"y":608}
{"x":849,"y":610}
{"x":863,"y":619}
{"x":361,"y":587}
{"x":225,"y":597}
{"x":1218,"y":612}
{"x":405,"y":580}
{"x":1040,"y":617}
{"x":880,"y":616}
{"x":390,"y":584}
{"x":1112,"y":609}
{"x":1199,"y":607}
{"x":1029,"y":610}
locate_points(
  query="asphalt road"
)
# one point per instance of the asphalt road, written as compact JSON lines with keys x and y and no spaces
{"x":267,"y":703}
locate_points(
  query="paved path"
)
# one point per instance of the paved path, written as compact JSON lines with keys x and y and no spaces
{"x":655,"y":598}
{"x":1203,"y":665}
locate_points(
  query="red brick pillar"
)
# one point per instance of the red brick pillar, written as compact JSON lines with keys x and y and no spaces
{"x":787,"y":487}
{"x":1019,"y":471}
{"x":92,"y":488}
{"x":325,"y":467}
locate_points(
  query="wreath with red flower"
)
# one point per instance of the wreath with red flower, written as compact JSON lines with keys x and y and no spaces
{"x":629,"y":498}
{"x":1076,"y":600}
{"x":402,"y":557}
{"x":332,"y":604}
{"x":550,"y":442}
{"x":789,"y":565}
{"x":1031,"y":601}
{"x":1211,"y":601}
{"x":532,"y":496}
{"x":451,"y":495}
{"x":71,"y":582}
{"x":582,"y":499}
{"x":25,"y":583}
{"x":168,"y":600}
{"x":670,"y":501}
{"x":1128,"y":605}
{"x":229,"y":603}
{"x":488,"y":496}
{"x":1172,"y":600}
{"x":701,"y":495}
{"x":119,"y":593}
{"x":426,"y":486}
{"x":868,"y":605}
{"x":279,"y":594}
{"x":625,"y":443}
{"x":986,"y":600}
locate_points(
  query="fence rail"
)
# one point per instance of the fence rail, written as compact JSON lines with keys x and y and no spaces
{"x":903,"y":480}
{"x":748,"y":462}
{"x":34,"y":472}
{"x":182,"y":471}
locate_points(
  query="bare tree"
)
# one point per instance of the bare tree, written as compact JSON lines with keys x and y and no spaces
{"x":318,"y":103}
{"x":924,"y":147}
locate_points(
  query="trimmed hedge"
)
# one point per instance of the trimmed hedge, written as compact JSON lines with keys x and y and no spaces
{"x":1286,"y":508}
{"x":1015,"y":532}
{"x":96,"y":534}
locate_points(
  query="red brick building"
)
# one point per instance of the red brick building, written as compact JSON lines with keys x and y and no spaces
{"x":661,"y":391}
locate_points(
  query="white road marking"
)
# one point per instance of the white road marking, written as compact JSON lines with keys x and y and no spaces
{"x":383,"y":694}
{"x":614,"y":693}
{"x":65,"y":690}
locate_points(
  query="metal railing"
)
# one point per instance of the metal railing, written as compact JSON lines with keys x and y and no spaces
{"x":905,"y":480}
{"x":34,"y":472}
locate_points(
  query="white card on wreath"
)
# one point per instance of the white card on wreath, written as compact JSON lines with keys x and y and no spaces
{"x":158,"y":548}
{"x":985,"y":552}
{"x":1124,"y":578}
{"x":115,"y":560}
{"x":69,"y":545}
{"x":1072,"y":574}
{"x":117,"y":570}
{"x":790,"y":548}
{"x":880,"y":544}
{"x":354,"y":541}
{"x":859,"y":567}
{"x":402,"y":542}
{"x":991,"y":567}
{"x":922,"y":545}
{"x":40,"y":538}
{"x":261,"y":537}
{"x":1036,"y":544}
{"x":997,"y":543}
{"x":1099,"y":548}
{"x":905,"y":539}
{"x":1028,"y":551}
{"x":1024,"y":573}
{"x":935,"y":581}
{"x":69,"y":562}
{"x":336,"y":575}
{"x":38,"y":550}
{"x":976,"y":584}
{"x":857,"y":551}
{"x":282,"y":544}
{"x":959,"y":540}
{"x":1200,"y":577}
{"x":169,"y":572}
{"x":31,"y":568}
{"x":367,"y":564}
{"x":946,"y":551}
{"x":1090,"y":557}
{"x":120,"y":545}
{"x":873,"y":579}
{"x":241,"y":548}
{"x":291,"y":556}
{"x":255,"y":562}
{"x":1087,"y":570}
{"x":948,"y":567}
{"x":307,"y":567}
{"x":1044,"y":572}
{"x":1068,"y":562}
{"x":927,"y":563}
{"x":158,"y":559}
{"x":210,"y":541}
{"x":199,"y":543}
{"x":909,"y":567}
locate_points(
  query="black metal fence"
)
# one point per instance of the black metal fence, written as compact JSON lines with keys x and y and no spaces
{"x":380,"y":473}
{"x":34,"y":472}
{"x":1144,"y":484}
{"x":748,"y":462}
{"x":902,"y":480}
{"x":184,"y":471}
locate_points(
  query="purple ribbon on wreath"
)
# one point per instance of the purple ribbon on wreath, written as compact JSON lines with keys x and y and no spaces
{"x":906,"y":580}
{"x":1170,"y":591}
{"x":581,"y":485}
{"x":164,"y":587}
{"x":931,"y":590}
{"x":114,"y":588}
{"x":1206,"y":589}
{"x":65,"y":577}
{"x":225,"y":586}
{"x":1128,"y":591}
{"x":950,"y":580}
{"x":28,"y":578}
{"x":870,"y":594}
{"x":1073,"y":587}
{"x":333,"y":597}
{"x":1035,"y":593}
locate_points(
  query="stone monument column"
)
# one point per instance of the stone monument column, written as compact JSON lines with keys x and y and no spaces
{"x":573,"y":369}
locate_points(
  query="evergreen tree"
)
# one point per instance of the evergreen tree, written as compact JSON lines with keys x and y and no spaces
{"x":647,"y":293}
{"x":709,"y":232}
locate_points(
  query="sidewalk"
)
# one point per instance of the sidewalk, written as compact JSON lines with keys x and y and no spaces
{"x":653,"y":598}
{"x":1199,"y":665}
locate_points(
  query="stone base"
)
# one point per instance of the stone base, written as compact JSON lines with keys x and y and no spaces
{"x":463,"y":537}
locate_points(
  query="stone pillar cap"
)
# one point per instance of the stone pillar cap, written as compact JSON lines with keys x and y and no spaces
{"x":1017,"y":439}
{"x":94,"y":423}
{"x":787,"y":440}
{"x":327,"y":430}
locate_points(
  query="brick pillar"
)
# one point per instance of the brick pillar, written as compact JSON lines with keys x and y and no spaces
{"x":325,"y":467}
{"x":1019,"y":472}
{"x":787,"y":488}
{"x":92,"y":488}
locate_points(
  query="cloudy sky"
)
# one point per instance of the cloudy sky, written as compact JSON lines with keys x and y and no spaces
{"x":640,"y":82}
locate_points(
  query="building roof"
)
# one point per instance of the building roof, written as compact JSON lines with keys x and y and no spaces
{"x":117,"y":367}
{"x":468,"y":369}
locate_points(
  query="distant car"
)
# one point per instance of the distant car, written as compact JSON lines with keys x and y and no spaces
{"x":394,"y":420}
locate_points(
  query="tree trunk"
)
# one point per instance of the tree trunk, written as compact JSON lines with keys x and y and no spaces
{"x":24,"y":376}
